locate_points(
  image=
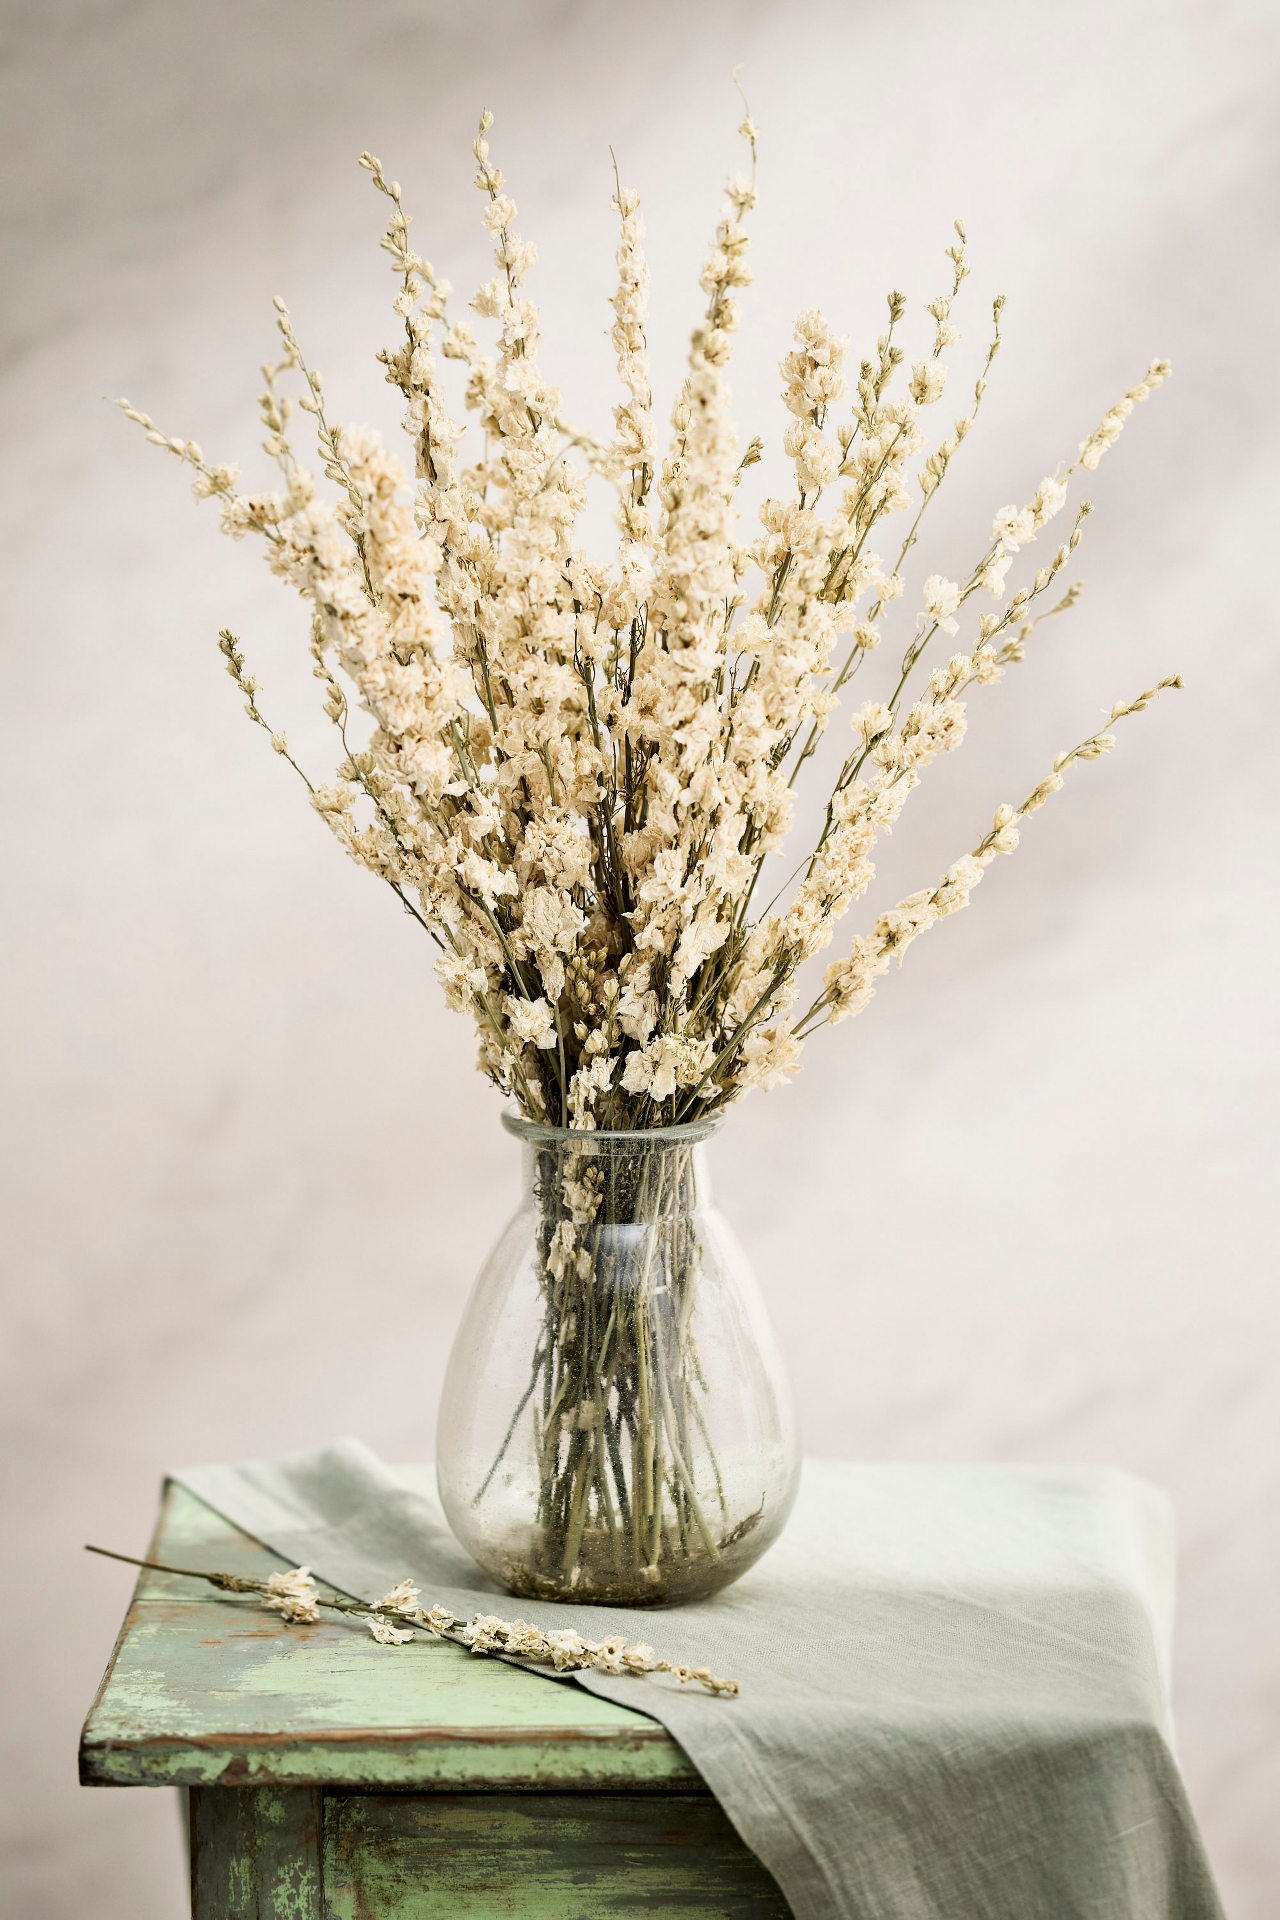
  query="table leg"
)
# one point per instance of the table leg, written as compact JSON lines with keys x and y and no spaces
{"x":257,"y":1853}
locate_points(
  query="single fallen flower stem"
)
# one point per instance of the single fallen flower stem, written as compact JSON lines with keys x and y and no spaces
{"x":238,"y":1583}
{"x":482,"y":1634}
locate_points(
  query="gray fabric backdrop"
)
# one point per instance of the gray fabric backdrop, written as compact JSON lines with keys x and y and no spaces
{"x":1014,"y":1212}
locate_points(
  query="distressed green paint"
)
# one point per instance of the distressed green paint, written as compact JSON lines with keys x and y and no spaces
{"x":541,"y":1857}
{"x":276,"y":1728}
{"x":206,"y":1689}
{"x":611,"y":1767}
{"x":257,"y":1855}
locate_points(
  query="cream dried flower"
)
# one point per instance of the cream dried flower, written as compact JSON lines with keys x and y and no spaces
{"x":941,"y":598}
{"x":294,"y":1595}
{"x":1013,"y":527}
{"x":384,"y":1632}
{"x":439,"y":1620}
{"x":403,"y":1598}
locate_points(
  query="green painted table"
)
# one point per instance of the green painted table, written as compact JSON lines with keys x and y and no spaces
{"x":334,"y":1779}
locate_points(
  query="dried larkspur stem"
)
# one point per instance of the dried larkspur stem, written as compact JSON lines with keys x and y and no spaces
{"x":392,"y":1620}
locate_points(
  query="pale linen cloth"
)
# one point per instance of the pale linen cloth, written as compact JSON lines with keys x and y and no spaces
{"x":955,"y":1680}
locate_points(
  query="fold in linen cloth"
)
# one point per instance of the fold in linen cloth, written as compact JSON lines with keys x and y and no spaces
{"x":955,"y":1680}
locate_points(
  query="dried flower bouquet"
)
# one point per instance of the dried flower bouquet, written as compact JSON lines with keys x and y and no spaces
{"x":572,"y":774}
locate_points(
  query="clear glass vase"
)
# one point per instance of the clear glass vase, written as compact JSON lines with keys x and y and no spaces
{"x":616,"y":1424}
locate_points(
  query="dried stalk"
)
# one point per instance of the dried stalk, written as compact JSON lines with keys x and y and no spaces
{"x":392,"y":1620}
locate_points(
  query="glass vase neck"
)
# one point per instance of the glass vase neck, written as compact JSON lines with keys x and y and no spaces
{"x":625,"y":1176}
{"x":631,"y":1140}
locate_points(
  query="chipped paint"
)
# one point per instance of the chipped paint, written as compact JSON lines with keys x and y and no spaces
{"x":202,"y":1690}
{"x":585,"y":1807}
{"x":549,"y":1857}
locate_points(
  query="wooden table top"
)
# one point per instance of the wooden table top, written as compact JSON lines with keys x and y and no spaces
{"x":209,"y":1689}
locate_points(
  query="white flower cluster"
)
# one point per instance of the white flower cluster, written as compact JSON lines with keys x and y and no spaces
{"x":572,"y":774}
{"x":294,"y":1595}
{"x":847,"y":985}
{"x":566,"y":1650}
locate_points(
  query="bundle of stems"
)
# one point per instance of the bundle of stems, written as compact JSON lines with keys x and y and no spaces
{"x":621,"y":1435}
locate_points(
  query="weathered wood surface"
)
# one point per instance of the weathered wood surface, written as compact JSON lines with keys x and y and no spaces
{"x":208,"y":1689}
{"x":543,"y":1857}
{"x":256,"y":1853}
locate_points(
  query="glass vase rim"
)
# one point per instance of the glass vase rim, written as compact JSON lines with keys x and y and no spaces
{"x":686,"y":1133}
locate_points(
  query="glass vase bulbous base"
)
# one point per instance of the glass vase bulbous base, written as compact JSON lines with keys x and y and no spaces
{"x":616,"y":1424}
